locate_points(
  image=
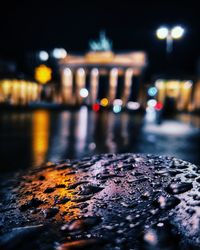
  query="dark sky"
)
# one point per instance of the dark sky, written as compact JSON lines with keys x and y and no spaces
{"x":34,"y":25}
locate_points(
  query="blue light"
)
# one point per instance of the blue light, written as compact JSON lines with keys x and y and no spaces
{"x":152,"y":91}
{"x":117,"y":108}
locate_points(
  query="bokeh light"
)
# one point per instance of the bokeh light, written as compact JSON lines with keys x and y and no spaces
{"x":152,"y":91}
{"x":43,"y":74}
{"x":158,"y":106}
{"x":43,"y":55}
{"x":162,"y":32}
{"x":104,"y":102}
{"x":118,"y":102}
{"x":152,"y":103}
{"x":117,"y":109}
{"x":84,"y":92}
{"x":133,"y":105}
{"x":59,"y":53}
{"x":96,"y":107}
{"x":177,"y":32}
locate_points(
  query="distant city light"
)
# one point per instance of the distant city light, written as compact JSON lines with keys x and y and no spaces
{"x":160,"y":84}
{"x":162,"y":32}
{"x":43,"y":55}
{"x":117,"y":108}
{"x":177,"y":32}
{"x":84,"y":92}
{"x":188,"y":84}
{"x":151,"y":103}
{"x":104,"y":102}
{"x":95,"y":72}
{"x":81,"y":72}
{"x":67,"y":71}
{"x":152,"y":91}
{"x":150,"y":114}
{"x":43,"y":74}
{"x":59,"y":53}
{"x":158,"y":106}
{"x":96,"y":107}
{"x":118,"y":102}
{"x":169,"y":35}
{"x":133,"y":105}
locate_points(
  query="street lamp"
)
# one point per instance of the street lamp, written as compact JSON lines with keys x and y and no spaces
{"x":43,"y":55}
{"x":170,"y":34}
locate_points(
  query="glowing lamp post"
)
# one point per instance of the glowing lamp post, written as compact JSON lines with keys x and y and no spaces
{"x":175,"y":33}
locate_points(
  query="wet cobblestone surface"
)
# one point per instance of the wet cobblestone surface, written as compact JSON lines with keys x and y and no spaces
{"x":124,"y":201}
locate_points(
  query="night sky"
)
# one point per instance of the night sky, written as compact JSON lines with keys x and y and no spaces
{"x":26,"y":26}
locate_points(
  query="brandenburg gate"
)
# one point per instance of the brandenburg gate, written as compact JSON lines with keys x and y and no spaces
{"x":103,"y":73}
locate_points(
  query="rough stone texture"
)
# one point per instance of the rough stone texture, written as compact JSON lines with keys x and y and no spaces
{"x":124,"y":201}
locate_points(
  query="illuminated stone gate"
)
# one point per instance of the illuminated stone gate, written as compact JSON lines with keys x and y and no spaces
{"x":104,"y":74}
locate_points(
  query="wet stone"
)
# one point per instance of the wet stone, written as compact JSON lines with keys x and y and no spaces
{"x":14,"y":238}
{"x":106,"y":202}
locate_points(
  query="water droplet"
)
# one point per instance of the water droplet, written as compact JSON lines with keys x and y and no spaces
{"x":178,"y":188}
{"x":190,"y":176}
{"x":89,"y":189}
{"x":81,"y":224}
{"x":50,"y":212}
{"x":167,"y":202}
{"x":60,"y":186}
{"x":151,"y":237}
{"x":49,"y":190}
{"x":60,"y":200}
{"x":41,"y":178}
{"x":190,"y":211}
{"x":82,"y":198}
{"x":145,"y":195}
{"x":74,"y":185}
{"x":33,"y":203}
{"x":198,"y":180}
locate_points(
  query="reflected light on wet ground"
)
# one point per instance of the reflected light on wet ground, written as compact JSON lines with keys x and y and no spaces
{"x":40,"y":136}
{"x":27,"y":139}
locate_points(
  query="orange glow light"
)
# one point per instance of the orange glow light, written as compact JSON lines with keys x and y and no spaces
{"x":43,"y":74}
{"x":104,"y":102}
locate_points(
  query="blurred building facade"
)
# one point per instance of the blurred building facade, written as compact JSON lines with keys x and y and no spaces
{"x":183,"y":95}
{"x":19,"y":92}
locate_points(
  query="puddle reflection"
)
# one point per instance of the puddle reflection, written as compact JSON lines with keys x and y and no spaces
{"x":28,"y":139}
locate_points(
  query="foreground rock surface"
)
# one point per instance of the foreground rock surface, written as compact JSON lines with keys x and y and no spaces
{"x":125,"y":201}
